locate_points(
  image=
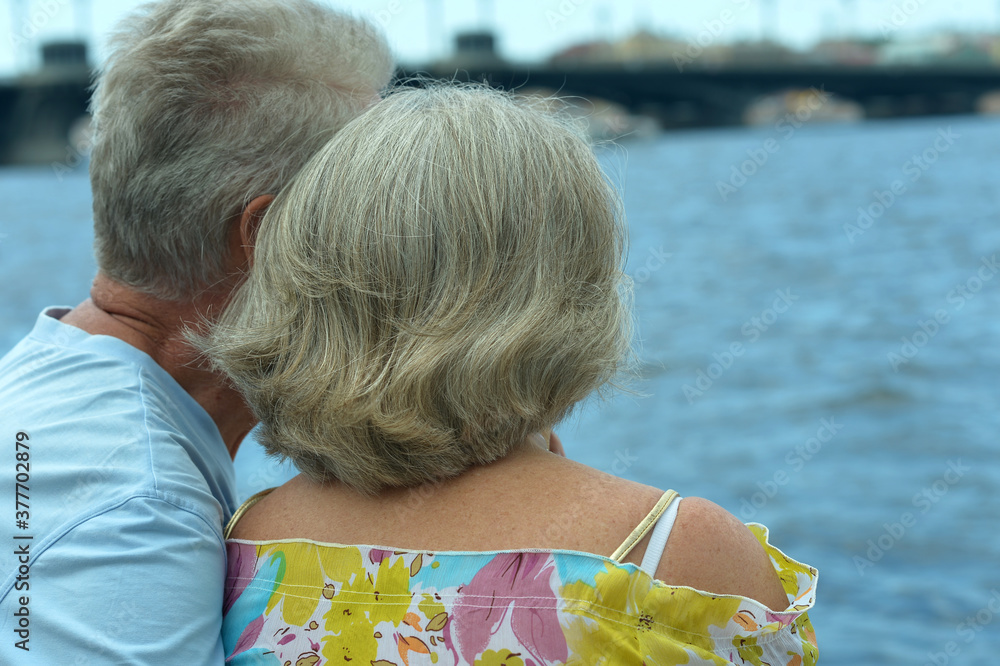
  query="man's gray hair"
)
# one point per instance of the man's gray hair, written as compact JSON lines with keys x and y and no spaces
{"x":442,"y":280}
{"x":204,"y":105}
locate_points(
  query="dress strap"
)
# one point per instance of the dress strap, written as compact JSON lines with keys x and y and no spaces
{"x":658,"y":539}
{"x":643,"y":528}
{"x":231,"y":525}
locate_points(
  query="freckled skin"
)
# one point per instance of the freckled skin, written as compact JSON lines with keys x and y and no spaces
{"x":530,"y":499}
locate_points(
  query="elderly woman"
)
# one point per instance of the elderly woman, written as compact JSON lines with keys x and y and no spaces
{"x":437,"y":289}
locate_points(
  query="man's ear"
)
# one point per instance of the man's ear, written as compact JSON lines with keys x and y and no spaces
{"x":250,"y":220}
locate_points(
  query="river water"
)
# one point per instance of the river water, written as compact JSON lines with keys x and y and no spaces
{"x":818,"y":322}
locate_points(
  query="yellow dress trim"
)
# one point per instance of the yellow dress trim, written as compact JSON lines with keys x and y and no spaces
{"x":231,"y":525}
{"x":643,"y":528}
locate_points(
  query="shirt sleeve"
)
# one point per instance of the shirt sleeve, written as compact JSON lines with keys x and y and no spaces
{"x":139,"y":583}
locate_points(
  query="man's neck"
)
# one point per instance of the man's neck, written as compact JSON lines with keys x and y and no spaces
{"x":157,"y":327}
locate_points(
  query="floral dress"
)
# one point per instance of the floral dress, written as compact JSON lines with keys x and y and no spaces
{"x":303,"y":603}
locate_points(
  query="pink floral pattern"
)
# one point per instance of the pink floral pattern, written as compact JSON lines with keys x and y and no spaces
{"x":300,"y":603}
{"x":492,"y":602}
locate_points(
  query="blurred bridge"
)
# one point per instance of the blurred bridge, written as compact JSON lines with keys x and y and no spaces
{"x":38,"y":111}
{"x":715,"y":96}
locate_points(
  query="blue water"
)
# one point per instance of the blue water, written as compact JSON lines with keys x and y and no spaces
{"x":882,"y":471}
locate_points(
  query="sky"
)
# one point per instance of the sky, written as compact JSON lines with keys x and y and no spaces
{"x":530,"y":30}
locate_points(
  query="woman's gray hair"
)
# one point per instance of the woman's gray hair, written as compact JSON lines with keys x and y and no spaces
{"x":205,"y":104}
{"x":443,"y":279}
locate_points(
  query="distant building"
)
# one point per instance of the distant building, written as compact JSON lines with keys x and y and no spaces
{"x":844,"y":52}
{"x":944,"y":48}
{"x":597,"y":51}
{"x":476,"y":48}
{"x":762,"y":53}
{"x":931,"y":49}
{"x":645,"y":46}
{"x":642,"y":46}
{"x":992,"y":47}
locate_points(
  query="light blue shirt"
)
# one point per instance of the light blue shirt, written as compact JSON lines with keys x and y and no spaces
{"x":126,"y":486}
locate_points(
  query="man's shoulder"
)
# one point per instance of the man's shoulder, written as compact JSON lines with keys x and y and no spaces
{"x":110,"y":580}
{"x":103,"y":472}
{"x":97,"y":411}
{"x":106,"y":440}
{"x":62,"y":362}
{"x":101,"y":413}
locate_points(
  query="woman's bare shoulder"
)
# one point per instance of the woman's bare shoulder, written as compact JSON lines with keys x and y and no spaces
{"x":711,"y":550}
{"x":554,"y":503}
{"x":281,"y":506}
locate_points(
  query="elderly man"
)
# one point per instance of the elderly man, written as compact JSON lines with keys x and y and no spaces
{"x":118,"y":439}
